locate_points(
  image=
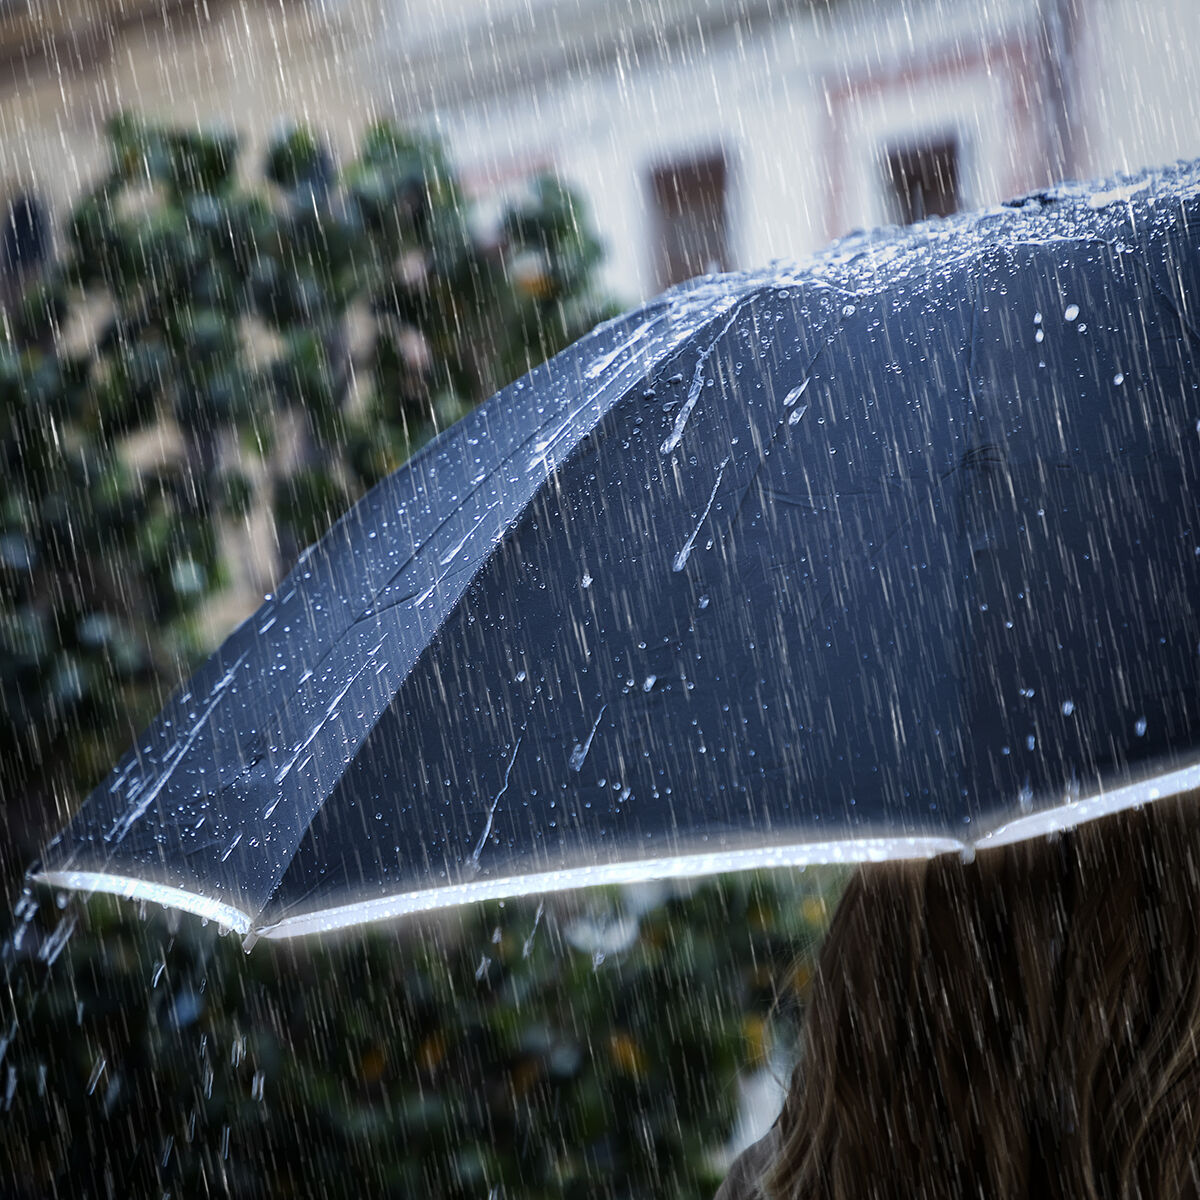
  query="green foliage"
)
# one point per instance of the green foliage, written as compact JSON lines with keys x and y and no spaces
{"x":489,"y":1052}
{"x":195,"y":322}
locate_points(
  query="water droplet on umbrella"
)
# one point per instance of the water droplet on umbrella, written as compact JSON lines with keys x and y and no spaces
{"x":795,"y":394}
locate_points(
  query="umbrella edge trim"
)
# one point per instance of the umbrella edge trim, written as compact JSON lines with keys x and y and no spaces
{"x":144,"y":889}
{"x":1101,"y":804}
{"x":382,"y":908}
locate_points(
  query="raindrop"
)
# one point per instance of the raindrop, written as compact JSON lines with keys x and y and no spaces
{"x":1025,"y":796}
{"x":794,"y":419}
{"x":1070,"y":312}
{"x":97,"y":1071}
{"x":586,"y":581}
{"x":527,"y":949}
{"x":794,"y":394}
{"x":1140,"y":727}
{"x":1068,"y":707}
{"x":580,"y":753}
{"x":649,"y":682}
{"x":1119,"y":378}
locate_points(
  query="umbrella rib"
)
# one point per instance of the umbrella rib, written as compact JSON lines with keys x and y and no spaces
{"x":125,"y":822}
{"x":330,"y":712}
{"x":373,"y":610}
{"x":471,"y":567}
{"x":684,"y":554}
{"x":506,"y":461}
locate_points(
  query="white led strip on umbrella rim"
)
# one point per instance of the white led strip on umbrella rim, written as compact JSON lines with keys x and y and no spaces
{"x":683,"y":866}
{"x":130,"y":888}
{"x":845,"y":851}
{"x":1091,"y":808}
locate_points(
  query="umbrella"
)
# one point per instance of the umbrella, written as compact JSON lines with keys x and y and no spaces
{"x":892,"y":552}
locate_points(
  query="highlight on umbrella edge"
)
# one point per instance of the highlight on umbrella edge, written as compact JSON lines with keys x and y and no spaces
{"x":1045,"y":822}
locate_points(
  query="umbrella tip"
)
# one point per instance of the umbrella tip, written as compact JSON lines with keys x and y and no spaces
{"x":249,"y":941}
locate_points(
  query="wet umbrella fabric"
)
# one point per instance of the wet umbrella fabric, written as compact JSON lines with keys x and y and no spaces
{"x":893,"y":552}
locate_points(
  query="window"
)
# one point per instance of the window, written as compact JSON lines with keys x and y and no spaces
{"x":922,"y":179}
{"x":691,"y":235}
{"x":25,"y":236}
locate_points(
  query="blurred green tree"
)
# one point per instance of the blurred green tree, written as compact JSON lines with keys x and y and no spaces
{"x":590,"y":1051}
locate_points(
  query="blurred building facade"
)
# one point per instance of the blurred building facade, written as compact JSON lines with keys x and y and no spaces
{"x":705,"y":133}
{"x":725,"y":135}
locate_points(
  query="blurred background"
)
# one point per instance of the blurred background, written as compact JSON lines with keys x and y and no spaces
{"x":255,"y":253}
{"x":705,"y":133}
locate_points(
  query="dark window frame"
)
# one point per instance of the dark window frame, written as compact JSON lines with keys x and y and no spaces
{"x":922,"y":176}
{"x":26,"y":232}
{"x":690,"y":198}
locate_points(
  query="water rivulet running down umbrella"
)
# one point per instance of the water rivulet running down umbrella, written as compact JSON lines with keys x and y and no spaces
{"x":892,"y":552}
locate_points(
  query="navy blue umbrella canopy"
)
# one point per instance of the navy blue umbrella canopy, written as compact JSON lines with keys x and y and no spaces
{"x":888,"y":553}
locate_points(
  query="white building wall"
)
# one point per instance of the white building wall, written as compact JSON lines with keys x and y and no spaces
{"x":802,"y":102}
{"x":1137,"y":75}
{"x":789,"y":110}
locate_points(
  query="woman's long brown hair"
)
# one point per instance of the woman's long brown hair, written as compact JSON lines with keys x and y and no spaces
{"x":1023,"y":1025}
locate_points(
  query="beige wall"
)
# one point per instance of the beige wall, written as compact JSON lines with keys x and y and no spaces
{"x":1137,"y":75}
{"x":252,"y":65}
